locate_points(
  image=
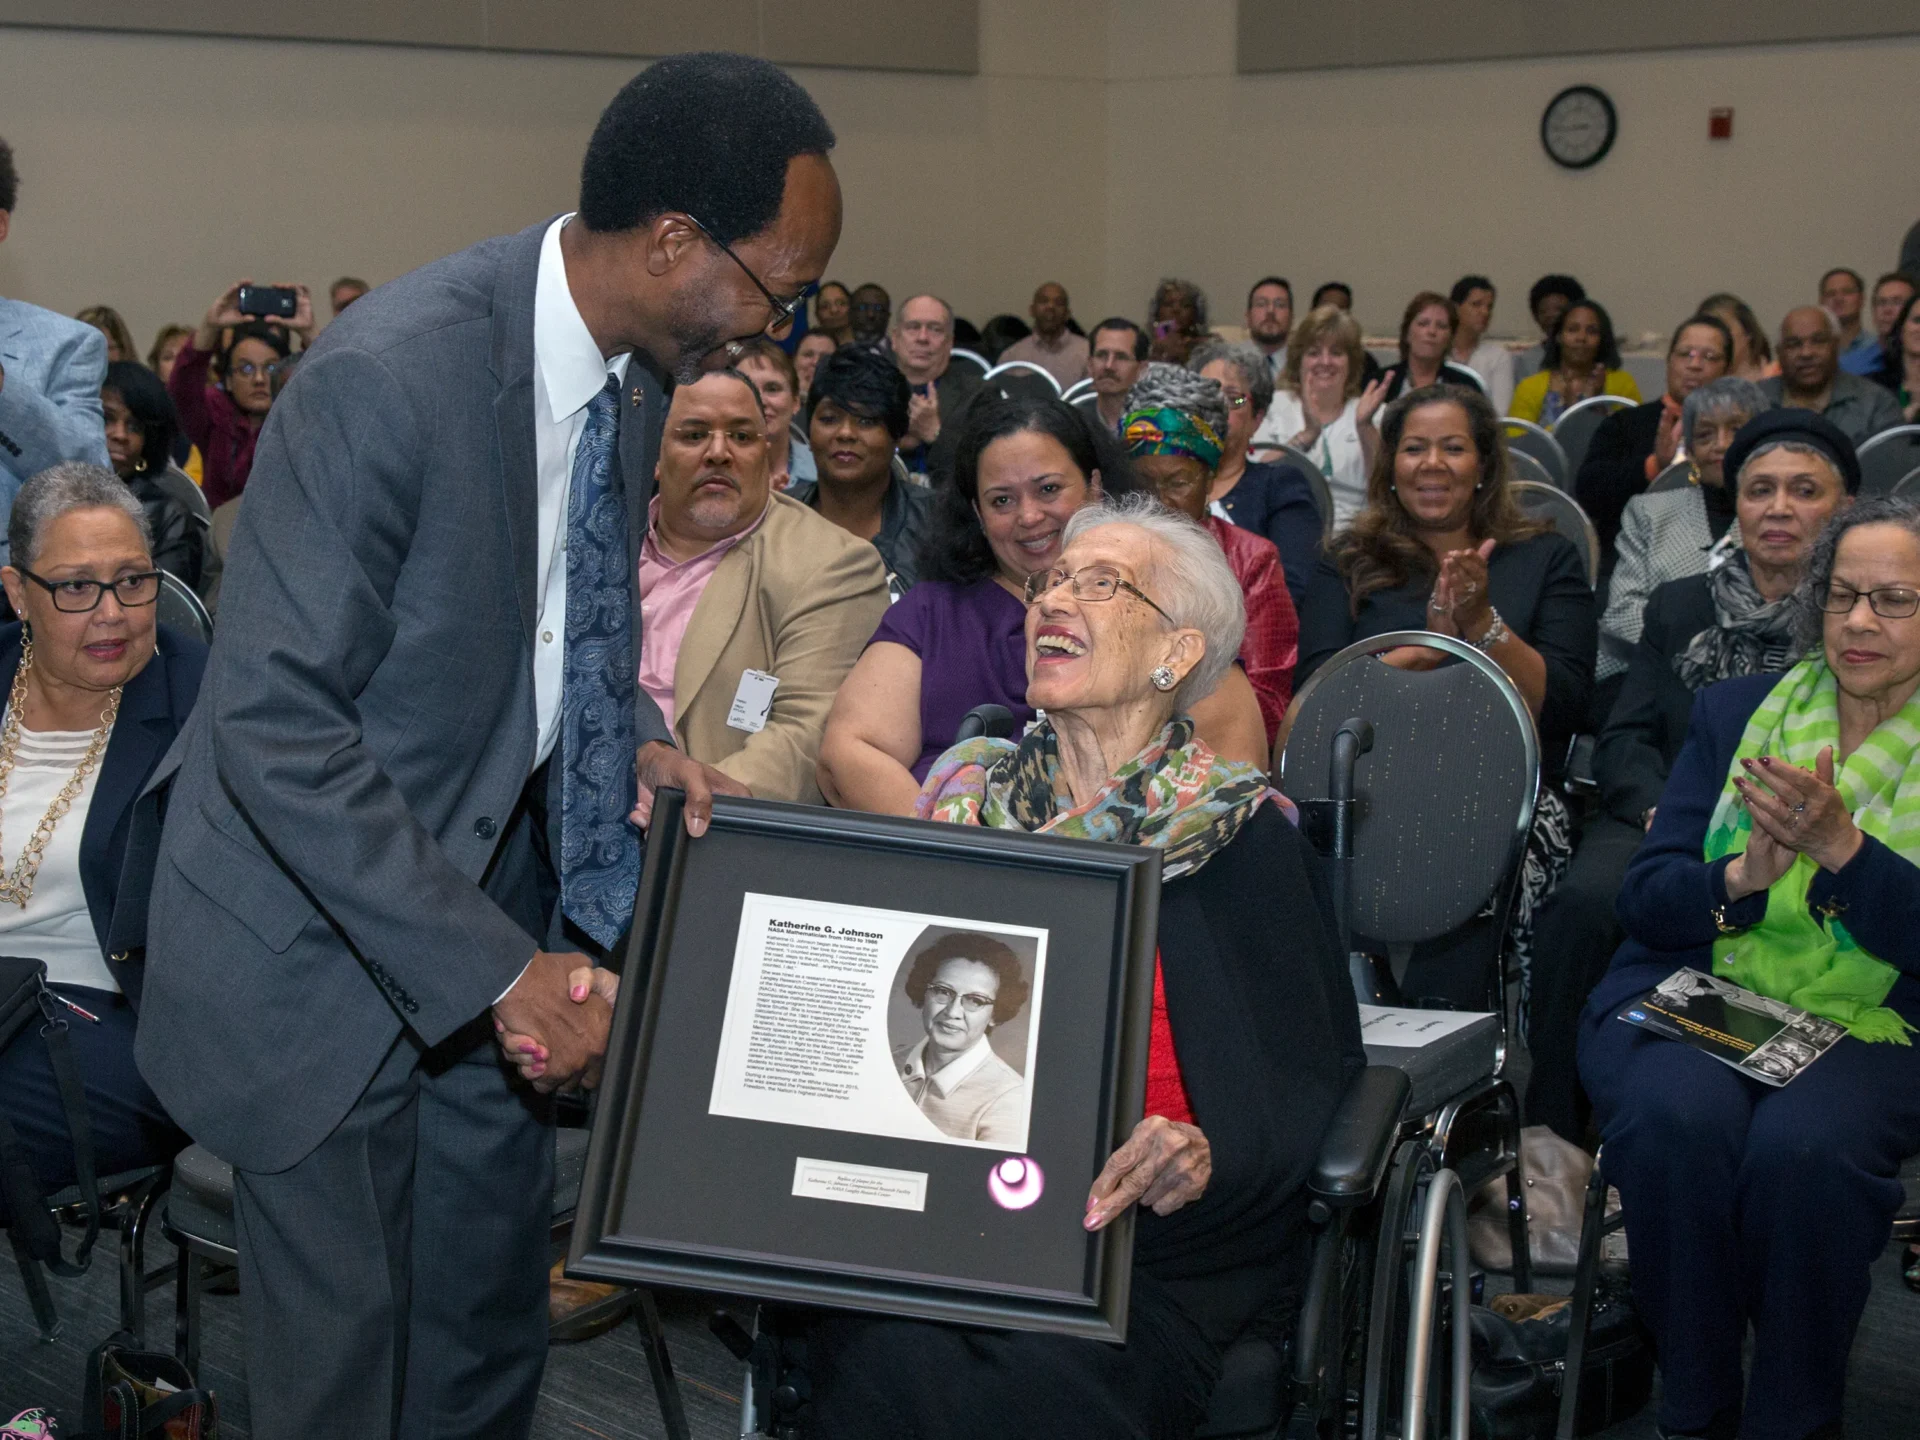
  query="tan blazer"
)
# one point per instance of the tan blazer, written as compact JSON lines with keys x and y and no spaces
{"x":799,"y":599}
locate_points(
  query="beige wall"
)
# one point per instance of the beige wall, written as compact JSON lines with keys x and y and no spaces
{"x":1103,"y":143}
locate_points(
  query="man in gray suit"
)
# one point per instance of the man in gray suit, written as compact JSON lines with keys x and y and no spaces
{"x":401,"y":808}
{"x":51,"y":369}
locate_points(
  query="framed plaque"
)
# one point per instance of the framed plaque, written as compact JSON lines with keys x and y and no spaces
{"x":873,"y":1063}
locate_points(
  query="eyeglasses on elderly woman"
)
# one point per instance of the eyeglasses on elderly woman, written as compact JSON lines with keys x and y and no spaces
{"x":1889,"y":602}
{"x":78,"y":596}
{"x":1090,"y":582}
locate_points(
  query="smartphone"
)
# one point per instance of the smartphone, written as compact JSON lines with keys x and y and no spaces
{"x":278,"y":302}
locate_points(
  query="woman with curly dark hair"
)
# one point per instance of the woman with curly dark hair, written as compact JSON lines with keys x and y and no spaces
{"x":964,"y":985}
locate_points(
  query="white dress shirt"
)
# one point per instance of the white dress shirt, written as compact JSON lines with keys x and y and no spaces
{"x":568,"y":371}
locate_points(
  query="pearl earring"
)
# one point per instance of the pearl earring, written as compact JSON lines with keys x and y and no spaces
{"x":1163,"y":677}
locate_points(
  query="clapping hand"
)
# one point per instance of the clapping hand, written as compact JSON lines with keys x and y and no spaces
{"x":923,"y":416}
{"x":1370,"y":399}
{"x":1800,"y":812}
{"x":1163,"y":1166}
{"x":1666,"y":440}
{"x":1461,"y":605}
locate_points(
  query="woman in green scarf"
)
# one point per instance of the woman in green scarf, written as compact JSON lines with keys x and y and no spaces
{"x":1784,"y":856}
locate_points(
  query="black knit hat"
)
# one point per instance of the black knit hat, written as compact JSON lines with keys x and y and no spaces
{"x":1803,"y":427}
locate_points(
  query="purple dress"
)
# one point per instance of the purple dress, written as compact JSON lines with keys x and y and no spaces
{"x":972,"y":644}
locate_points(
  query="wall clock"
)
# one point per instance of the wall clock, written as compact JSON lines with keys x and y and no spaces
{"x":1578,"y":127}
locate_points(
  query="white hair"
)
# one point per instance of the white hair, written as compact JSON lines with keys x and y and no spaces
{"x":1191,"y":581}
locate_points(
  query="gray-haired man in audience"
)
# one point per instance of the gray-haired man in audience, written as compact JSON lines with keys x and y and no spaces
{"x":1810,"y":378}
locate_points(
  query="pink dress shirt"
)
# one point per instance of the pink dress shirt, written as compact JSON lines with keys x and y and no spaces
{"x":670,"y":591}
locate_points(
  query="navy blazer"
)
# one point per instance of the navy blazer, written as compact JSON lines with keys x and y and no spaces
{"x":1667,"y":903}
{"x":153,"y":708}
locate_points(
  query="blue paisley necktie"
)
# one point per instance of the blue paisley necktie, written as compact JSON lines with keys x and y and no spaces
{"x":599,"y":850}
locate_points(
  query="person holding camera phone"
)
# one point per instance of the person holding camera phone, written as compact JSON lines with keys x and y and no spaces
{"x":248,"y":329}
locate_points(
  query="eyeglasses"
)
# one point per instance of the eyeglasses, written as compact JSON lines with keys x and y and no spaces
{"x":76,"y":597}
{"x":247,"y":370}
{"x":1237,"y":402}
{"x":1890,"y":602}
{"x":783,"y":310}
{"x":972,"y":1002}
{"x":1090,"y":582}
{"x":1708,"y":357}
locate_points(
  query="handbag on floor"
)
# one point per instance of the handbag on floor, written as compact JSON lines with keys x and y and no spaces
{"x":1554,"y":1176}
{"x":133,"y":1393}
{"x":1520,"y":1364}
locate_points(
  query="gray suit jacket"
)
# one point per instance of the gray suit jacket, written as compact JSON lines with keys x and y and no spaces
{"x":345,"y":850}
{"x":50,"y":398}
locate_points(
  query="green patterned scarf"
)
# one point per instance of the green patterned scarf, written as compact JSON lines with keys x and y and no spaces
{"x":1175,"y":794}
{"x":1791,"y":955}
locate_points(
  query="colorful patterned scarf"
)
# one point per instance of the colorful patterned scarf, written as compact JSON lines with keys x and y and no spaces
{"x":1166,"y":431}
{"x":1176,"y":794}
{"x":1791,"y":955}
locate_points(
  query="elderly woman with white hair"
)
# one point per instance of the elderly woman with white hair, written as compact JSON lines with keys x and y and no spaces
{"x":96,"y":692}
{"x":1254,"y":1032}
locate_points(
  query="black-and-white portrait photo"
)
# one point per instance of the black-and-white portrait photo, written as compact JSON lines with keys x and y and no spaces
{"x":958,"y":1021}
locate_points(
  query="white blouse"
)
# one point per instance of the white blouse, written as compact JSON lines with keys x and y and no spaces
{"x":55,"y":925}
{"x":1337,"y":452}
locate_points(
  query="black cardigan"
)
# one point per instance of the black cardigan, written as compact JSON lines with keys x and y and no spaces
{"x":1276,"y":500}
{"x":1615,"y":469}
{"x":153,"y":709}
{"x":1267,"y":1034}
{"x":1648,"y":724}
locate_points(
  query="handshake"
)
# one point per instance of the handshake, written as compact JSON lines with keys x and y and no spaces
{"x":552,"y":1025}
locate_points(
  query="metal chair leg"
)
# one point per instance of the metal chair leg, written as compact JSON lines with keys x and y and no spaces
{"x":189,"y":1276}
{"x":1443,"y":1220}
{"x":1411,"y":1163}
{"x":666,"y":1389}
{"x":1593,"y":1229}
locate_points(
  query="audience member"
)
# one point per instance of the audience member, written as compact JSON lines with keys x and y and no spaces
{"x":1671,"y":534}
{"x":1547,"y":301}
{"x":1272,"y":500}
{"x":737,"y":582}
{"x":833,"y":313}
{"x":1021,"y":468}
{"x":1473,"y":297}
{"x":1794,"y":472}
{"x":856,"y":415}
{"x":224,"y":422}
{"x":1752,"y":353}
{"x":1175,"y":424}
{"x":1443,"y":546}
{"x":1269,"y":320}
{"x":1581,"y":360}
{"x":1176,"y":320}
{"x":1000,"y":334}
{"x":869,"y":312}
{"x":50,"y":373}
{"x":1843,"y":296}
{"x":140,"y":428}
{"x":1115,"y":352}
{"x":167,"y":345}
{"x":1810,"y":378}
{"x":1890,"y":295}
{"x":97,"y":692}
{"x":344,"y":291}
{"x":1336,"y":293}
{"x":1426,"y":335}
{"x":1633,"y":445}
{"x":107,"y":321}
{"x":776,"y":378}
{"x":1052,"y":346}
{"x":1901,"y":371}
{"x":1254,"y":1038}
{"x":807,"y":353}
{"x":941,"y":390}
{"x":1752,"y":1210}
{"x":1322,"y":409}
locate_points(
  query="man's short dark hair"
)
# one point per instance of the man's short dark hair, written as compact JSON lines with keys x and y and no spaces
{"x":1011,"y":997}
{"x":863,"y":381}
{"x":1547,"y":285}
{"x":1120,"y":322}
{"x":1321,"y":293}
{"x":1712,"y":322}
{"x":1265,"y":280}
{"x":708,"y":135}
{"x":1851,"y":274}
{"x":9,"y":178}
{"x":1896,"y":277}
{"x":1467,"y":284}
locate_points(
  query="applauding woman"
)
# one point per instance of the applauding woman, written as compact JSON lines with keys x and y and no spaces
{"x":1582,"y":360}
{"x":1784,"y":857}
{"x":1426,"y":335}
{"x":1324,"y":410}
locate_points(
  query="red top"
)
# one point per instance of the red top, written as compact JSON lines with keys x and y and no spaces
{"x":215,"y":424}
{"x":1166,"y":1092}
{"x":1271,"y":648}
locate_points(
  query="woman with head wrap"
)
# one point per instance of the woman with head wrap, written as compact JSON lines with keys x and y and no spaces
{"x":1784,"y":856}
{"x":1173,"y":428}
{"x":856,"y":414}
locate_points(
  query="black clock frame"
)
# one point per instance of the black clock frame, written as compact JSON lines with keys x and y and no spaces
{"x":1613,"y":127}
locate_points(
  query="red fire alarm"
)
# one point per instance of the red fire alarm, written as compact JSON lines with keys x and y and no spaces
{"x":1720,"y":123}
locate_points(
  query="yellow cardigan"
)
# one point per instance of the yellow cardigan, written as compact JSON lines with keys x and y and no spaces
{"x":1530,"y":395}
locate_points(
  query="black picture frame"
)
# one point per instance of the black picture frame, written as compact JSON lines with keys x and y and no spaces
{"x":675,"y":1197}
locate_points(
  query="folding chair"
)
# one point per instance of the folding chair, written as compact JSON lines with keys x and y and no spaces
{"x":179,"y":607}
{"x":1526,"y":438}
{"x":1574,"y":429}
{"x":1889,"y":458}
{"x":1560,"y":510}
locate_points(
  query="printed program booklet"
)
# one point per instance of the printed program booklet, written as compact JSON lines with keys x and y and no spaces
{"x":1769,"y":1040}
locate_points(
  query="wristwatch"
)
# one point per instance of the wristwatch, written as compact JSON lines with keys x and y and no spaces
{"x":1496,"y":633}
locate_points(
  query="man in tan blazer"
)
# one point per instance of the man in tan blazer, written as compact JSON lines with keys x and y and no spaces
{"x":753,"y":607}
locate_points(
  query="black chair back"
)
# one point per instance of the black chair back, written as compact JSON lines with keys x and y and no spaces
{"x":1574,"y":429}
{"x":1560,"y":510}
{"x":1022,"y":380}
{"x":1888,"y":458}
{"x":1526,"y":438}
{"x":179,"y":607}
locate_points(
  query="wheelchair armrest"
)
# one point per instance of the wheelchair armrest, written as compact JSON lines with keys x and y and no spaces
{"x":1359,"y":1141}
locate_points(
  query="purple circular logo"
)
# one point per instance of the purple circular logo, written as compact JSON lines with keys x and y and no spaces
{"x":1015,"y":1183}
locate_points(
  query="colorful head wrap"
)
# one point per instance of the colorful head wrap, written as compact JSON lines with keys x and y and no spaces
{"x":1166,"y":431}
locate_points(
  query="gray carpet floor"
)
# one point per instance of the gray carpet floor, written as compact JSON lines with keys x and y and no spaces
{"x":600,"y":1387}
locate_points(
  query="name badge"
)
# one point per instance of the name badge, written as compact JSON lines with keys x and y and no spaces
{"x":752,"y":701}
